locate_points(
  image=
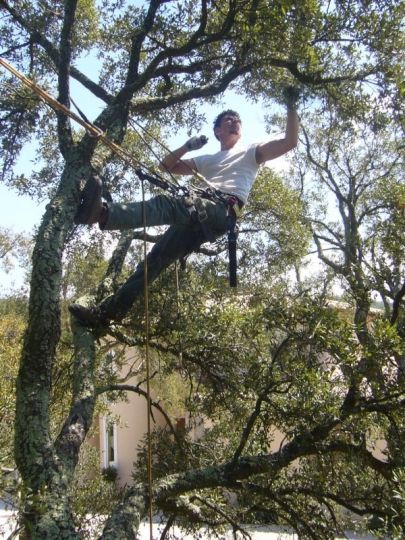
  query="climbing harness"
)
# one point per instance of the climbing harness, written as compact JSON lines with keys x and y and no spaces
{"x":233,"y":210}
{"x":192,"y":200}
{"x":188,"y":197}
{"x":198,"y":214}
{"x":147,"y":359}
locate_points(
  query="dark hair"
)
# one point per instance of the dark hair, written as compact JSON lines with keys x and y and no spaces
{"x":228,"y":112}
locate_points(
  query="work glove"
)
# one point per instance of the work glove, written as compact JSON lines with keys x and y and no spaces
{"x":291,"y":95}
{"x":195,"y":143}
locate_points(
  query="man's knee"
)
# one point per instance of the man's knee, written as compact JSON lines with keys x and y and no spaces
{"x":159,"y":257}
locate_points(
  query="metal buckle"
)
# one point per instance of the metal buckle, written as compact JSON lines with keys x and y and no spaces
{"x":233,"y":204}
{"x":201,"y":211}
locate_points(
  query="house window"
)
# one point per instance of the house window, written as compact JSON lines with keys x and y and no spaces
{"x":110,"y":443}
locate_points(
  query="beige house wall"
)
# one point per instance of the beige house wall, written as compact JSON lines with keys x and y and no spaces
{"x":130,"y":427}
{"x":130,"y":419}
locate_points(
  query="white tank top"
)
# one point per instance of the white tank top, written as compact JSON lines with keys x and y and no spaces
{"x":231,"y":171}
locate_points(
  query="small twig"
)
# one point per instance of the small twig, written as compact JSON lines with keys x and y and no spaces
{"x":235,"y":526}
{"x":169,"y":523}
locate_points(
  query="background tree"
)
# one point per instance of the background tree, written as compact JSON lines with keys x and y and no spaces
{"x":15,"y":248}
{"x":158,"y":62}
{"x":358,"y":168}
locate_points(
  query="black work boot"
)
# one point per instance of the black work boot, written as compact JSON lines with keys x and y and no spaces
{"x":91,"y":209}
{"x":89,"y":316}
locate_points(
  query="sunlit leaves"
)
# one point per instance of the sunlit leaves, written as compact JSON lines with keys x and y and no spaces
{"x":11,"y":330}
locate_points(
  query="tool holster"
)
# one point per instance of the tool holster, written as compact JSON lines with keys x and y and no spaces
{"x":198,"y":214}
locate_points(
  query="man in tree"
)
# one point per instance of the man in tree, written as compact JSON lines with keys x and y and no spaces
{"x":231,"y":171}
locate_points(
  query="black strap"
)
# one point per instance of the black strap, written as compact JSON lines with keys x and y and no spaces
{"x":232,"y":237}
{"x":160,"y":182}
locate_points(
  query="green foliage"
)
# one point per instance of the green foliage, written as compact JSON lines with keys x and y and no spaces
{"x":92,"y":492}
{"x":293,"y":362}
{"x":276,"y":235}
{"x":14,"y":248}
{"x":270,"y":374}
{"x":358,"y":222}
{"x":270,"y":43}
{"x":11,"y":330}
{"x":19,"y":110}
{"x":85,"y":264}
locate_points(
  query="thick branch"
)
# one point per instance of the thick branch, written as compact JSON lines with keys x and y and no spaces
{"x":195,"y":41}
{"x":396,"y":305}
{"x":53,"y":53}
{"x":65,"y":48}
{"x":80,"y":417}
{"x":142,"y":105}
{"x":138,"y":40}
{"x":134,"y":506}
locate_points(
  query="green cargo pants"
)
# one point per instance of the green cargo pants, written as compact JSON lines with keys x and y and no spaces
{"x":182,"y":237}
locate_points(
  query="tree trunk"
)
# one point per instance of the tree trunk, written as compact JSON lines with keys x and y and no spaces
{"x":45,"y":474}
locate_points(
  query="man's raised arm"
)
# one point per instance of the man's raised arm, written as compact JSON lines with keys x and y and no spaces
{"x":275,"y":149}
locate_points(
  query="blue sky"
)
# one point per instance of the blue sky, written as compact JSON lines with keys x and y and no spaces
{"x":22,"y":214}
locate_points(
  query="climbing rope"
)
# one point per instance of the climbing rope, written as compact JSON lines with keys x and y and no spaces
{"x":92,"y":129}
{"x":128,"y":159}
{"x":147,"y":360}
